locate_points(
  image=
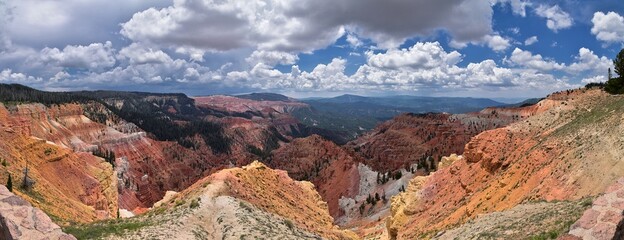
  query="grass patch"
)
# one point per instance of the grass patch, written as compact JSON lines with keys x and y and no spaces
{"x":597,"y":115}
{"x":102,"y":229}
{"x":194,"y":203}
{"x":179,"y":203}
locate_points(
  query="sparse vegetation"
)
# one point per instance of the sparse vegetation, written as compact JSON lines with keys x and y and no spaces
{"x":105,"y":228}
{"x":194,"y":203}
{"x":109,"y":156}
{"x":616,"y":85}
{"x":47,"y":151}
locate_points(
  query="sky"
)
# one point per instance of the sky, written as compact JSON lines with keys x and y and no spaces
{"x":306,"y":48}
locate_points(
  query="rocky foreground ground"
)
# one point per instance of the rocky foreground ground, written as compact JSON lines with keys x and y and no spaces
{"x":20,"y":220}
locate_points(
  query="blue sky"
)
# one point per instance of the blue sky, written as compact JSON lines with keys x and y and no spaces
{"x":304,"y":48}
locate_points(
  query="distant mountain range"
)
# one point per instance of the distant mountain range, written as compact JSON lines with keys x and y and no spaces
{"x":358,"y":114}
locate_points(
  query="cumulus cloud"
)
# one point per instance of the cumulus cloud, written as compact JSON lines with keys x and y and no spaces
{"x":353,"y":40}
{"x":8,"y":76}
{"x":494,"y":42}
{"x":60,"y":76}
{"x":137,"y":55}
{"x":303,"y":26}
{"x":233,"y":24}
{"x":588,"y":61}
{"x":608,"y":27}
{"x":530,"y":41}
{"x":527,"y":59}
{"x":271,"y":58}
{"x":556,"y":18}
{"x":237,"y":44}
{"x":39,"y":23}
{"x":518,"y":7}
{"x":595,"y":79}
{"x":420,"y":56}
{"x":422,"y":67}
{"x":497,"y":43}
{"x":96,"y":56}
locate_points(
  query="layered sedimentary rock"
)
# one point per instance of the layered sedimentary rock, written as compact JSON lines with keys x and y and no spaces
{"x":412,"y":138}
{"x":69,"y":185}
{"x":332,"y":170}
{"x":146,"y":168}
{"x":249,"y":202}
{"x":568,"y":150}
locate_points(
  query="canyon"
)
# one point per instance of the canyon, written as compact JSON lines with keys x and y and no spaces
{"x":155,"y":159}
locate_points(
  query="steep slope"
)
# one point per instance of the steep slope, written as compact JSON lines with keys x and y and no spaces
{"x":249,"y":202}
{"x":356,"y":195}
{"x":146,"y":168}
{"x":332,"y":170}
{"x":533,"y":220}
{"x":70,"y":186}
{"x":569,"y":150}
{"x":413,"y":138}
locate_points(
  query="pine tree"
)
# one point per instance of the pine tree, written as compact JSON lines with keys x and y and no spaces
{"x":618,"y":62}
{"x":610,"y":75}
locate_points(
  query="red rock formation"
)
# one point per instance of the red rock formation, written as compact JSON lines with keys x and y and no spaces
{"x":234,"y":104}
{"x":564,"y":152}
{"x":332,"y":169}
{"x":71,"y":186}
{"x":275,"y":192}
{"x":146,"y":168}
{"x":253,"y":123}
{"x":410,"y":138}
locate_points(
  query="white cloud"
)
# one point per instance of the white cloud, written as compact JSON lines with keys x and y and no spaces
{"x":556,"y":18}
{"x":422,"y":67}
{"x":595,"y":79}
{"x":497,"y":43}
{"x":303,"y":26}
{"x":7,"y":75}
{"x":194,"y":54}
{"x":518,"y":7}
{"x":271,"y":58}
{"x":233,"y":24}
{"x":494,"y":42}
{"x":353,"y":40}
{"x":420,"y":56}
{"x":96,"y":56}
{"x":38,"y":23}
{"x":60,"y":76}
{"x":527,"y":59}
{"x":588,"y":61}
{"x":138,"y":55}
{"x":530,"y":41}
{"x":608,"y":27}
